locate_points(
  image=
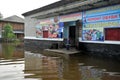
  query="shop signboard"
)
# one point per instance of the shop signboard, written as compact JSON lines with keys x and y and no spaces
{"x":94,"y":22}
{"x":71,"y":17}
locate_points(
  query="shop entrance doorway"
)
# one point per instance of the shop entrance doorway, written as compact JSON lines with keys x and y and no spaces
{"x":72,"y":36}
{"x":71,"y":32}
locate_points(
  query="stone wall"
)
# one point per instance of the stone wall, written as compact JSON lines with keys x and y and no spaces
{"x":103,"y":50}
{"x":42,"y":44}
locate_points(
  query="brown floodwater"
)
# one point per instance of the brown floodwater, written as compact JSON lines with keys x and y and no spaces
{"x":19,"y":64}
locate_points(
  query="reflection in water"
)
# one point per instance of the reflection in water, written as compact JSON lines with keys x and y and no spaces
{"x":89,"y":73}
{"x":11,"y":62}
{"x":8,"y":50}
{"x":11,"y":50}
{"x":17,"y":64}
{"x":42,"y":67}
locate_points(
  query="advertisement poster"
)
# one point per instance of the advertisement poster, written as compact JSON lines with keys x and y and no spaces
{"x":93,"y":25}
{"x":52,"y":26}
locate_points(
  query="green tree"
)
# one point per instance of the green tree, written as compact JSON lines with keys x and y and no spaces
{"x":8,"y":34}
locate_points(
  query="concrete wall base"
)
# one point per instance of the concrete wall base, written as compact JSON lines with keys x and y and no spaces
{"x":94,"y":49}
{"x":103,"y":50}
{"x":42,"y":44}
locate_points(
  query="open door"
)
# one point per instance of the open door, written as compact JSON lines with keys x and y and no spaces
{"x":72,"y":31}
{"x":72,"y":36}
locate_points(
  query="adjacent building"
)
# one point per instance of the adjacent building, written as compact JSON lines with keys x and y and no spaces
{"x":89,"y":25}
{"x":17,"y":24}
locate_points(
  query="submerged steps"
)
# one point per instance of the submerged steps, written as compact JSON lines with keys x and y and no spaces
{"x":64,"y":51}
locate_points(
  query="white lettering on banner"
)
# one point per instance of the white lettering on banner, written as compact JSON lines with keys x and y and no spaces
{"x":103,"y":18}
{"x":92,"y":19}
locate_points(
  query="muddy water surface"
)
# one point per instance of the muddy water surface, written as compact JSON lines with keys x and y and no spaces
{"x":19,"y":64}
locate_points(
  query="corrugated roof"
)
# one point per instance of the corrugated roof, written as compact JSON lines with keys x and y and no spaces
{"x":14,"y":18}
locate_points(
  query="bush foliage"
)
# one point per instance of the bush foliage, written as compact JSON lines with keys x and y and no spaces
{"x":8,"y":34}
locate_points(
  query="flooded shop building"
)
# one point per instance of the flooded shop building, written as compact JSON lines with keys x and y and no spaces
{"x":89,"y":25}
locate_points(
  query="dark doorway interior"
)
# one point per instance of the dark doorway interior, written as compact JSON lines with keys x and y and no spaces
{"x":72,"y":35}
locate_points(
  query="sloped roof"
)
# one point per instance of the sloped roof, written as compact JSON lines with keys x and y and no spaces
{"x":98,"y":3}
{"x":14,"y":18}
{"x":50,"y":6}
